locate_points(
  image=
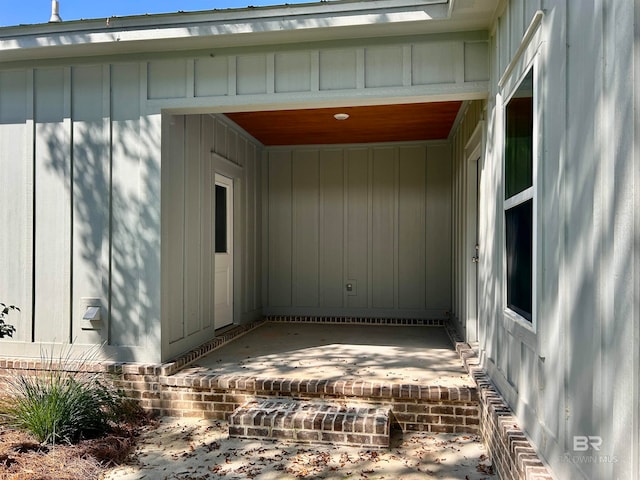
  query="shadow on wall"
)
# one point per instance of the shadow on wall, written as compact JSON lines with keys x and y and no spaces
{"x":579,"y":380}
{"x":113,"y":182}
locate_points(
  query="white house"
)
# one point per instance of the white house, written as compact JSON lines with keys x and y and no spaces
{"x":164,"y":176}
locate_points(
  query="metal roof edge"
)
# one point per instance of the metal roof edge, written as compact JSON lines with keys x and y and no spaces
{"x":158,"y":20}
{"x":185,"y":30}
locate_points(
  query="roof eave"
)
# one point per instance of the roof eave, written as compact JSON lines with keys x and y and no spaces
{"x":197,"y":30}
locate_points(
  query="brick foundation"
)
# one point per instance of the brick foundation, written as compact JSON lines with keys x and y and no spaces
{"x":193,"y":393}
{"x":414,"y":407}
{"x":511,"y":453}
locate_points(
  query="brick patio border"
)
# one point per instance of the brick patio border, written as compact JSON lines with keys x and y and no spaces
{"x":176,"y":389}
{"x":512,"y":454}
{"x":192,"y":392}
{"x":418,"y":322}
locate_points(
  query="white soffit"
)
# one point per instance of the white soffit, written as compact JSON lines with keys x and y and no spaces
{"x":323,"y":21}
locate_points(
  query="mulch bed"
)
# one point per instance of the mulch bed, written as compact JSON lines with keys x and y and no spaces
{"x":22,"y":458}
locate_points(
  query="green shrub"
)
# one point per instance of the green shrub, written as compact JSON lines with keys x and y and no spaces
{"x":62,"y":403}
{"x":6,"y":330}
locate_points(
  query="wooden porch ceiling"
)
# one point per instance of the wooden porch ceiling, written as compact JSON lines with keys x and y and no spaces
{"x":380,"y":123}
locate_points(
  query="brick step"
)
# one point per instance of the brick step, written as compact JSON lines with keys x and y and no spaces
{"x":312,"y":422}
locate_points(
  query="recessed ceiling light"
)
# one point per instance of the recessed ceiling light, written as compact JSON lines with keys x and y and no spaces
{"x":341,"y":116}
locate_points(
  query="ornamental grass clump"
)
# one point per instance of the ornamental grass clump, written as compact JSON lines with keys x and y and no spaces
{"x":62,"y":403}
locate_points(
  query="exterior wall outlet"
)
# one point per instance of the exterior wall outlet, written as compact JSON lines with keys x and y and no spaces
{"x":91,"y":313}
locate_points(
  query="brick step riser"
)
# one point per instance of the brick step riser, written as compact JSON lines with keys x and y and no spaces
{"x":309,"y":436}
{"x":309,"y":422}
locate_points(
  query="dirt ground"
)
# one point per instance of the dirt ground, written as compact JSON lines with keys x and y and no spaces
{"x":193,"y":449}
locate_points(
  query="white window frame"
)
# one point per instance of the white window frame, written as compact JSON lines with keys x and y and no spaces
{"x":527,"y":57}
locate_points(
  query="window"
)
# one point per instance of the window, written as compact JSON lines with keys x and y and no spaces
{"x":221,"y":220}
{"x":519,"y":198}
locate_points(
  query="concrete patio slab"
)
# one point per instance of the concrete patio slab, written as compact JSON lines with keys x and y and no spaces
{"x":398,"y":354}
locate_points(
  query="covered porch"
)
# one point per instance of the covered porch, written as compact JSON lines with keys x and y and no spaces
{"x":297,"y":214}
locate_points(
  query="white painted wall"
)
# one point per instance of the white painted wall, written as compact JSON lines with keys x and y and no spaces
{"x":375,"y":216}
{"x":577,"y":372}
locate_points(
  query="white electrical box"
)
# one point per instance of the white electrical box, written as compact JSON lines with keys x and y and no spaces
{"x":352,"y":288}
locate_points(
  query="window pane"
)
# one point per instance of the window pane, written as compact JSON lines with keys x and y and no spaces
{"x":519,"y":233}
{"x":221,"y":219}
{"x":519,"y":139}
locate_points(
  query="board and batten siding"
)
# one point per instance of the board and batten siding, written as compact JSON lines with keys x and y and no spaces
{"x":377,"y":217}
{"x":81,"y":173}
{"x":576,"y":373}
{"x":222,"y":79}
{"x":16,"y":191}
{"x":463,"y":218}
{"x":195,"y":148}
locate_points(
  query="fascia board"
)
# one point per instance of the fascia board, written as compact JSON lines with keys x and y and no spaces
{"x":199,"y":30}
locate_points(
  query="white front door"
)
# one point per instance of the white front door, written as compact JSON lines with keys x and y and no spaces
{"x":473,"y":156}
{"x":223,"y":251}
